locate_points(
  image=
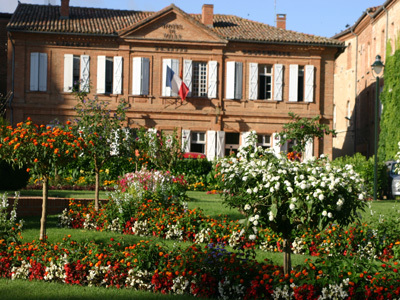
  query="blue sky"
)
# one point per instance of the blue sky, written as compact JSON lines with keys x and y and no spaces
{"x":318,"y":17}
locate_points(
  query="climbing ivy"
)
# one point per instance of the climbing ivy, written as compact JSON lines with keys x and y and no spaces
{"x":389,"y":135}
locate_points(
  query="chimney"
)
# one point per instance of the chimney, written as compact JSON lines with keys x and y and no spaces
{"x":64,"y":10}
{"x":207,"y":16}
{"x":281,"y":21}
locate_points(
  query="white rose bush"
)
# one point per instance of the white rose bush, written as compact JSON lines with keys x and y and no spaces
{"x":286,"y":195}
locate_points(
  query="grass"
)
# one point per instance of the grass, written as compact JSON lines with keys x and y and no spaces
{"x":63,"y":194}
{"x":211,"y":205}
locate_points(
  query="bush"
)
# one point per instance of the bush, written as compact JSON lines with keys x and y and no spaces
{"x":12,"y":179}
{"x":365,"y":168}
{"x":195,"y":170}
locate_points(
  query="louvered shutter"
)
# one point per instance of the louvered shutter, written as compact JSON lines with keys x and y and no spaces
{"x":85,"y":71}
{"x":212,"y":79}
{"x":309,"y":149}
{"x":309,"y":92}
{"x":187,"y":75}
{"x":211,"y":145}
{"x":42,"y":72}
{"x":230,"y":80}
{"x":293,"y":82}
{"x":253,"y":81}
{"x":238,"y":80}
{"x":34,"y":76}
{"x":117,"y":78}
{"x":278,"y":82}
{"x":101,"y":74}
{"x":68,"y":72}
{"x":186,"y":140}
{"x":166,"y":90}
{"x":145,"y":76}
{"x":175,"y":68}
{"x":245,"y":138}
{"x":220,"y":143}
{"x":137,"y":76}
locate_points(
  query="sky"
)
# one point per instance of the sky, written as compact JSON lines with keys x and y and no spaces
{"x":318,"y":17}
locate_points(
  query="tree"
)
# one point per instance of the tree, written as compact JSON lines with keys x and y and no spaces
{"x":287,"y":195}
{"x":40,"y":149}
{"x":303,"y":130}
{"x":102,"y":132}
{"x":390,"y":97}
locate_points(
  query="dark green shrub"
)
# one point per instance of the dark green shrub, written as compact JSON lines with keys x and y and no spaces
{"x":195,"y":170}
{"x":365,"y":168}
{"x":12,"y":179}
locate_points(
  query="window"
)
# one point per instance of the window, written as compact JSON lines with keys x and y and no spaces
{"x":76,"y":72}
{"x":231,"y":143}
{"x":264,"y":140}
{"x":109,"y":75}
{"x":173,"y":64}
{"x":301,"y":83}
{"x":38,"y":72}
{"x":234,"y":80}
{"x":199,"y":79}
{"x":265,"y":79}
{"x":198,"y":142}
{"x":140,"y":78}
{"x":290,"y":145}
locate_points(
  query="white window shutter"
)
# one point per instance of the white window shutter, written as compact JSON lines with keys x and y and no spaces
{"x":137,"y":76}
{"x":284,"y":147}
{"x":293,"y":82}
{"x":145,"y":76}
{"x":278,"y":82}
{"x":43,"y":72}
{"x":211,"y":145}
{"x":187,"y":75}
{"x":175,"y":68}
{"x":68,"y":72}
{"x":166,"y":90}
{"x":245,"y":138}
{"x":275,"y":143}
{"x":253,"y":81}
{"x":186,"y":140}
{"x":309,"y":90}
{"x":212,"y":79}
{"x":34,"y":81}
{"x":309,"y":149}
{"x":117,"y":75}
{"x":101,"y":74}
{"x":238,"y":80}
{"x":85,"y":68}
{"x":220,"y":143}
{"x":230,"y":80}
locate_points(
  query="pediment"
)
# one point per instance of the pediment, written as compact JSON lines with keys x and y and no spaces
{"x":171,"y":25}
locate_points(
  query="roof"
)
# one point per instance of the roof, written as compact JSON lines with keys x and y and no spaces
{"x":97,"y":21}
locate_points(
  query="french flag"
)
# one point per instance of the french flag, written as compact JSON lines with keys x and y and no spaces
{"x":176,"y":84}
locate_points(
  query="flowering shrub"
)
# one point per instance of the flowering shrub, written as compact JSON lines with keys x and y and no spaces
{"x":9,"y":230}
{"x":285,"y":194}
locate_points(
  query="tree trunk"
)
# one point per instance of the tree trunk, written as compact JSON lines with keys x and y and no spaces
{"x":42,"y":235}
{"x":287,"y":263}
{"x":96,"y":191}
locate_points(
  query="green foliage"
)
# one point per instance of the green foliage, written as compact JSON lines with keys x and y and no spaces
{"x":9,"y":230}
{"x":162,"y":150}
{"x":12,"y":178}
{"x":195,"y":170}
{"x":303,"y":130}
{"x":390,"y":98}
{"x":365,"y":168}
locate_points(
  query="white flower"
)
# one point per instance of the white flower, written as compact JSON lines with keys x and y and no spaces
{"x":324,"y":213}
{"x":360,"y":197}
{"x":255,"y":223}
{"x":321,"y":197}
{"x":249,"y":191}
{"x":292,"y":206}
{"x":247,"y":207}
{"x":252,"y":237}
{"x":329,"y":215}
{"x":256,"y":217}
{"x":255,"y":190}
{"x":290,"y":190}
{"x":271,"y":216}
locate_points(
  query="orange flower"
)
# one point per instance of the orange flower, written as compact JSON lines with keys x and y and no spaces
{"x":28,"y":170}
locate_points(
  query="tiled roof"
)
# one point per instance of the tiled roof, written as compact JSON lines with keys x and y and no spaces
{"x":83,"y":20}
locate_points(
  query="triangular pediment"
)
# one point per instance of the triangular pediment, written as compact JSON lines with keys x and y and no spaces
{"x":171,"y":25}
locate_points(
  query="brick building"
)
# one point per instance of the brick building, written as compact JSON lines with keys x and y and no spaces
{"x":355,"y":83}
{"x":4,"y":19}
{"x":242,"y":75}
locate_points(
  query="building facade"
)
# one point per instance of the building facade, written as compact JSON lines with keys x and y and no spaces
{"x":242,"y":75}
{"x":355,"y":83}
